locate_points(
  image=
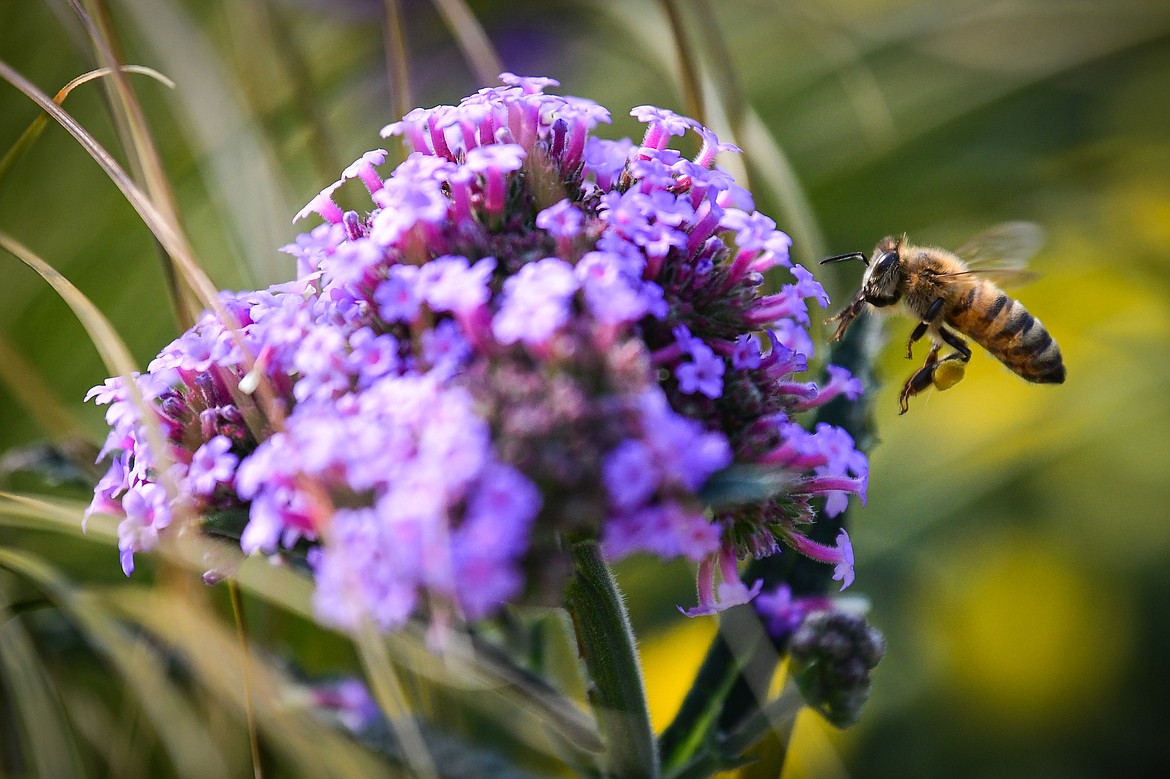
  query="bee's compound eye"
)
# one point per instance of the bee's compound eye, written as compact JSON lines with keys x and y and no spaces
{"x":885,"y":262}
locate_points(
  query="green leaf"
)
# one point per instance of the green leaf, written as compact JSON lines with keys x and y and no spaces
{"x":43,"y":465}
{"x":745,"y":483}
{"x":229,"y":523}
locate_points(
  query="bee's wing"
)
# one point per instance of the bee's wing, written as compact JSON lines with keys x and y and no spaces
{"x":1006,"y":246}
{"x":1001,"y":253}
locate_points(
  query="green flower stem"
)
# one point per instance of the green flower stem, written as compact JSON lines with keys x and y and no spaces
{"x":700,"y":709}
{"x":607,"y":645}
{"x":778,"y":714}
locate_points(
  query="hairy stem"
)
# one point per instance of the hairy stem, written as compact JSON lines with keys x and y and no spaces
{"x":607,"y":645}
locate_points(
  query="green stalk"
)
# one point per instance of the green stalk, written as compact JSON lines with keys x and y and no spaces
{"x":777,"y":715}
{"x":607,"y":645}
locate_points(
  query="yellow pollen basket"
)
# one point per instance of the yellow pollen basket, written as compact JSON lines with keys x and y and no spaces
{"x":949,"y":373}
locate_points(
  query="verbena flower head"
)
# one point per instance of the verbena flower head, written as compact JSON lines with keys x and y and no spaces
{"x":532,"y":336}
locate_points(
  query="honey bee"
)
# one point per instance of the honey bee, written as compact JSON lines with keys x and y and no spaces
{"x":951,"y":294}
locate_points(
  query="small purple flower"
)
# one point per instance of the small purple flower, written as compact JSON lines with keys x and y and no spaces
{"x":808,"y":287}
{"x":397,"y":297}
{"x":494,"y":162}
{"x":407,"y":202}
{"x":605,"y":160}
{"x":836,"y":489}
{"x":354,"y":575}
{"x":731,"y":592}
{"x":372,"y":356}
{"x":663,"y":124}
{"x":365,"y":169}
{"x":496,"y":158}
{"x":843,"y":570}
{"x":212,"y":465}
{"x":562,"y":220}
{"x":451,"y":283}
{"x":350,"y":701}
{"x":841,"y":382}
{"x":783,"y":614}
{"x":664,"y":529}
{"x":488,"y":546}
{"x":107,"y":392}
{"x":323,"y":204}
{"x":147,"y":512}
{"x":506,"y":498}
{"x":792,"y":337}
{"x":353,"y":261}
{"x":755,"y":231}
{"x":686,"y":452}
{"x":839,"y":556}
{"x":747,"y":353}
{"x":629,"y":474}
{"x":412,"y":126}
{"x":712,"y":146}
{"x":772,"y":309}
{"x":654,"y":172}
{"x":735,"y":196}
{"x":536,"y":302}
{"x":704,"y":374}
{"x":444,"y":348}
{"x":528,"y":84}
{"x":312,"y":247}
{"x":613,"y":295}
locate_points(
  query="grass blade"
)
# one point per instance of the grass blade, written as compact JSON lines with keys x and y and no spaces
{"x":109,"y":344}
{"x":397,"y":60}
{"x":49,"y":746}
{"x":38,"y":398}
{"x":472,"y":40}
{"x":144,"y":673}
{"x":140,"y":148}
{"x":34,"y":130}
{"x":252,"y":193}
{"x":688,"y":65}
{"x":166,"y":232}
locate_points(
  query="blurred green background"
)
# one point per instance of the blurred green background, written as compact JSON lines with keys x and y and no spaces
{"x":1016,"y":538}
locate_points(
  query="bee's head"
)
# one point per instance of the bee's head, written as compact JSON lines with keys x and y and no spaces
{"x":881,"y":285}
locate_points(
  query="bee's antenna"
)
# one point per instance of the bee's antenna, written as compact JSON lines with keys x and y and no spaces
{"x":844,"y":257}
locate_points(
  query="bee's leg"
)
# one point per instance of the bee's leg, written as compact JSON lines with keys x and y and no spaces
{"x":920,"y":329}
{"x":845,"y":316}
{"x":962,"y":351}
{"x":919,"y":380}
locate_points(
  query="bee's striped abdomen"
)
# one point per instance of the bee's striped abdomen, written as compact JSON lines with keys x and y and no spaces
{"x":1002,"y":326}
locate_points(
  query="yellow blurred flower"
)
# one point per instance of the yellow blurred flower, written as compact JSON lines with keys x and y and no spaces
{"x":1025,"y":634}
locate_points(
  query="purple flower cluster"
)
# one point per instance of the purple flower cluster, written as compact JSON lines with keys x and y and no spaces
{"x":533,"y":336}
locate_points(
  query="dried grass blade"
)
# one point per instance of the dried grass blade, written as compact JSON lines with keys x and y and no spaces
{"x":213,"y":656}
